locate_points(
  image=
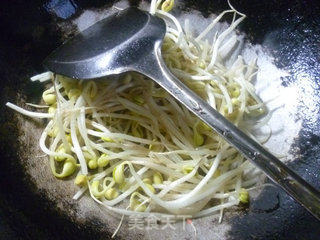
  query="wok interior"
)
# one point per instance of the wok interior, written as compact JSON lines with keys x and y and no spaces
{"x":40,"y":207}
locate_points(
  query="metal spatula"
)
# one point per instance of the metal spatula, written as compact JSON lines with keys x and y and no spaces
{"x":131,"y":41}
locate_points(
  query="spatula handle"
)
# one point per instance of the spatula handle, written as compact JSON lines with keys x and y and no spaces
{"x":277,"y":171}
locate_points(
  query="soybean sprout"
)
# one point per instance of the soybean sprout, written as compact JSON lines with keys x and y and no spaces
{"x":137,"y":150}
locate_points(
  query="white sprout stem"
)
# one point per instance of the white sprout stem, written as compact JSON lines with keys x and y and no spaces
{"x":28,"y":113}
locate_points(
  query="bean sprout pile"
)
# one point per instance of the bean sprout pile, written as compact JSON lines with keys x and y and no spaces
{"x":137,"y":150}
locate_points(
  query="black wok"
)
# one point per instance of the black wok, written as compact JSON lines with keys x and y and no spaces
{"x":289,"y":29}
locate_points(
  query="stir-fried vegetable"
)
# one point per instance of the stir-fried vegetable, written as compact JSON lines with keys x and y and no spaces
{"x":129,"y":142}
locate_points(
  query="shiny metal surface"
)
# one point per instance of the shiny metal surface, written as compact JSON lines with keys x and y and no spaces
{"x":130,"y":41}
{"x":121,"y":43}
